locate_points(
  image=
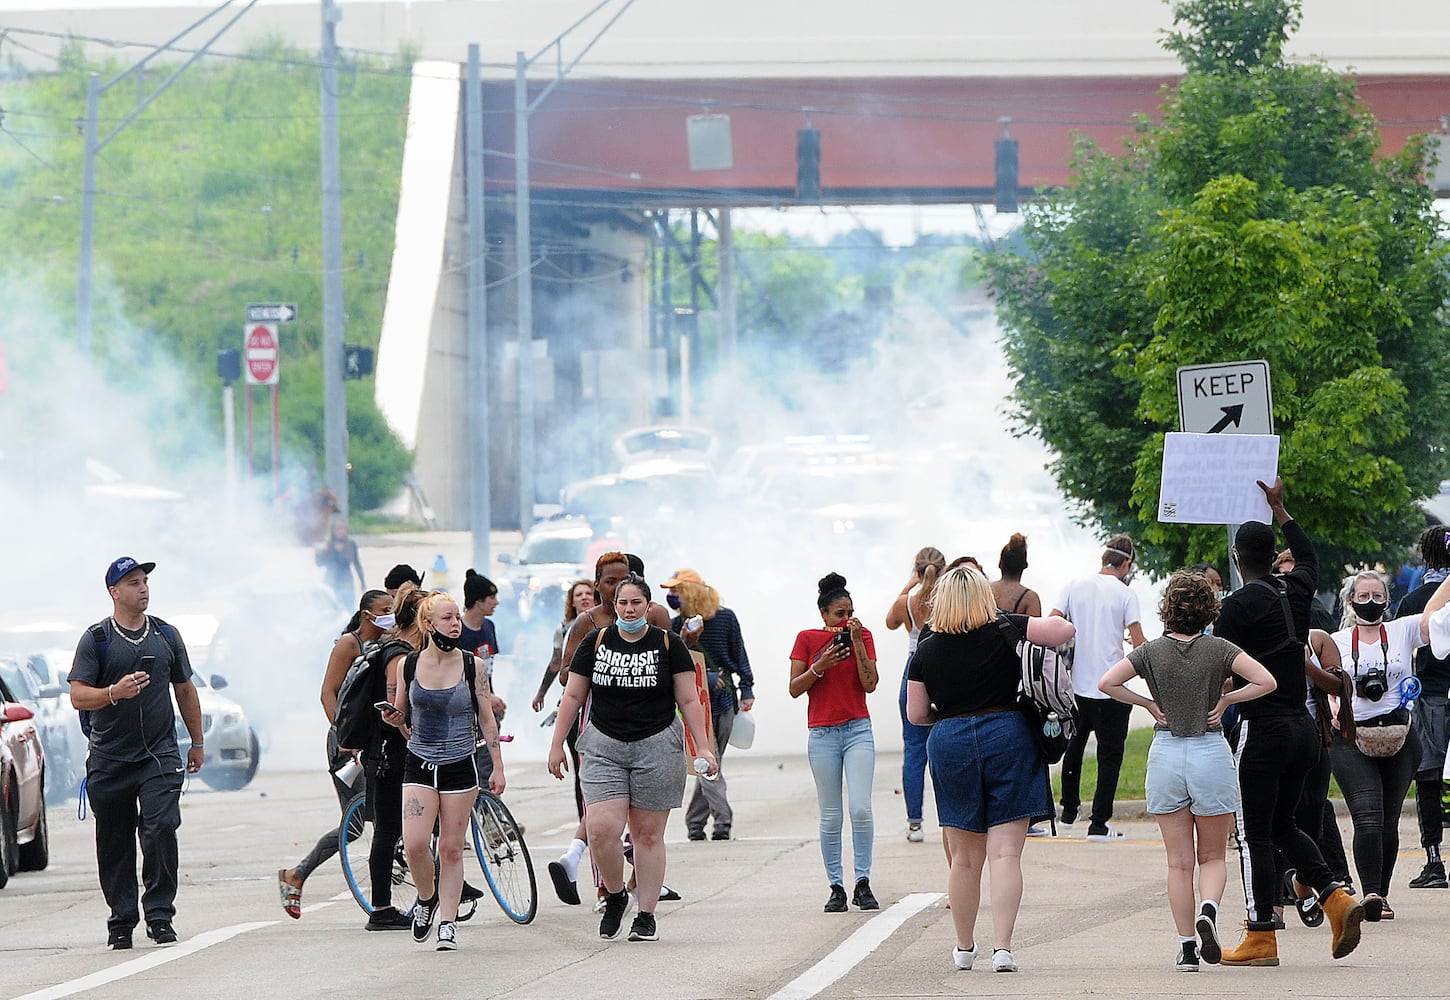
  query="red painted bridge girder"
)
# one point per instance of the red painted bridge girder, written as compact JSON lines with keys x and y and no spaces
{"x":923,"y":140}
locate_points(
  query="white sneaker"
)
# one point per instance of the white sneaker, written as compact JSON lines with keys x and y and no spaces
{"x":1002,"y":961}
{"x":914,"y":833}
{"x":1111,"y":834}
{"x":964,"y":957}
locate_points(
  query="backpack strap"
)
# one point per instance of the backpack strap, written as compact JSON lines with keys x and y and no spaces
{"x":1283,"y":594}
{"x":410,"y":670}
{"x":1018,"y":603}
{"x":1009,"y":630}
{"x":470,"y":674}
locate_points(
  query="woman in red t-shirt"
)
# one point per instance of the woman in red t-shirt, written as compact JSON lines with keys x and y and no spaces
{"x":835,"y":667}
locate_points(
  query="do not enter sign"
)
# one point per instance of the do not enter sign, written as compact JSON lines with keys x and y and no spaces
{"x":260,"y":353}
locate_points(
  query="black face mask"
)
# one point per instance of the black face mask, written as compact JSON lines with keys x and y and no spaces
{"x":1369,"y":611}
{"x":445,"y":644}
{"x":673,"y":601}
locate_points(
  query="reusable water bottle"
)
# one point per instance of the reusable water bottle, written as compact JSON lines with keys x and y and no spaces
{"x":702,"y":768}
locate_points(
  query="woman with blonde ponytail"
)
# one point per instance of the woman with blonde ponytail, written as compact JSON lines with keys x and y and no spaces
{"x":911,"y":608}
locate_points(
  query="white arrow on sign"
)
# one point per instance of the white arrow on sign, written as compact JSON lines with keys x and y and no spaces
{"x":272,"y":312}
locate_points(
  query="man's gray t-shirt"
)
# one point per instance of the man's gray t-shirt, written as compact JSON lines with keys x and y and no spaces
{"x":1185,"y":678}
{"x":137,"y":728}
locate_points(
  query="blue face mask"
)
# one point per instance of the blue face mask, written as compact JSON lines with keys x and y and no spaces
{"x":632,"y":628}
{"x":673,"y":601}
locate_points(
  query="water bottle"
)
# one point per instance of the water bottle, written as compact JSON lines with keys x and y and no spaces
{"x":694,"y":623}
{"x":702,"y":768}
{"x":348,"y":773}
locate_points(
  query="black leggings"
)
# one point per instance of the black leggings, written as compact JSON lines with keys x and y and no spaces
{"x":1275,"y":755}
{"x":1109,"y":720}
{"x":1374,"y":789}
{"x":385,"y":808}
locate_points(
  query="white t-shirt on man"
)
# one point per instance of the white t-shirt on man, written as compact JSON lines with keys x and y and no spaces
{"x":1102,"y":607}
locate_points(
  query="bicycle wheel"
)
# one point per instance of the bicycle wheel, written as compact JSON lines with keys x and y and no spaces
{"x":355,"y":844}
{"x":499,"y":846}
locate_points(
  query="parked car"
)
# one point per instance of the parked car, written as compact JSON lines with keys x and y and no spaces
{"x":553,"y":555}
{"x":686,"y":445}
{"x":233,"y":751}
{"x":43,"y":688}
{"x":24,"y":836}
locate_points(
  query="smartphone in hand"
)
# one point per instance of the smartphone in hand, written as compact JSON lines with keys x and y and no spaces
{"x":384,"y":706}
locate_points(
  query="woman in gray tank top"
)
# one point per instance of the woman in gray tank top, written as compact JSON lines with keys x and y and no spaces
{"x":437,"y":708}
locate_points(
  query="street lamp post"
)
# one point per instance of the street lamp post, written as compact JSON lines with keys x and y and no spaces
{"x":523,"y":248}
{"x":94,"y":90}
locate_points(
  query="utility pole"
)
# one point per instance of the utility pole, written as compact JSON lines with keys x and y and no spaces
{"x":523,"y":237}
{"x":725,"y":249}
{"x":334,"y":397}
{"x":480,"y":516}
{"x":94,"y":91}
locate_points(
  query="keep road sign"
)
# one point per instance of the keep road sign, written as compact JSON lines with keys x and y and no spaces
{"x":261,"y":354}
{"x":1231,"y":398}
{"x":272,"y":312}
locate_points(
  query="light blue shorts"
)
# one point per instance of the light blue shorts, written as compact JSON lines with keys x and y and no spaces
{"x":1193,"y":772}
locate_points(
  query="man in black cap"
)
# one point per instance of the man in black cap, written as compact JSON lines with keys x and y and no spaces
{"x":1268,"y":617}
{"x":399,"y":575}
{"x":134,"y":771}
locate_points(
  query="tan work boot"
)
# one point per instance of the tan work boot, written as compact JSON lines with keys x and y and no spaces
{"x":1257,"y":948}
{"x":1345,"y":914}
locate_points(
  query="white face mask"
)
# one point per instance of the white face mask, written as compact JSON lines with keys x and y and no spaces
{"x":385,"y":622}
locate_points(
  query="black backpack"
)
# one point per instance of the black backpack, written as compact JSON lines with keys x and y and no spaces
{"x":102,"y":640}
{"x":354,"y":719}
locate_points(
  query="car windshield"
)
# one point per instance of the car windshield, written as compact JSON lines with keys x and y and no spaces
{"x":553,"y":549}
{"x":18,"y":680}
{"x":666,"y":439}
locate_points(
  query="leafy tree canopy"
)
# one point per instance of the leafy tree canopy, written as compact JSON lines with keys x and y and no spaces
{"x":1255,"y":221}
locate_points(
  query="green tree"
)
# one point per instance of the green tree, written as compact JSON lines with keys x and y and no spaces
{"x":1256,"y":221}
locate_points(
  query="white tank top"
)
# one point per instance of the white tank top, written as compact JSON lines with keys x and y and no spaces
{"x":913,"y":630}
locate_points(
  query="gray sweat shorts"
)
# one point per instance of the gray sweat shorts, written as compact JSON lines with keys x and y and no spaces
{"x":649,"y":772}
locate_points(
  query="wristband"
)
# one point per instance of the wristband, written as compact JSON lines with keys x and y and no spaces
{"x":819,"y":676}
{"x":109,"y":696}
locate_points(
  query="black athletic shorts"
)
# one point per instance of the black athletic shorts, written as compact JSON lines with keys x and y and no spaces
{"x":454,"y":776}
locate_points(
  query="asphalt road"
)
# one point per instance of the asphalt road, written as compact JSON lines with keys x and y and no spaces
{"x":1094,"y":921}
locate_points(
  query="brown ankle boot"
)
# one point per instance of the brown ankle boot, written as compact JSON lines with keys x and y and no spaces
{"x":1345,"y":914}
{"x":1257,"y":948}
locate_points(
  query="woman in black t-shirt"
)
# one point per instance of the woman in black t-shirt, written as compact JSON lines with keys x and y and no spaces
{"x":631,"y":749}
{"x":985,"y":767}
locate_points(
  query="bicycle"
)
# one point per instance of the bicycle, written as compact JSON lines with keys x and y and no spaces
{"x":497,"y":842}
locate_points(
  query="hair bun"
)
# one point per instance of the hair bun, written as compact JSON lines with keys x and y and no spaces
{"x":469,"y":573}
{"x":830,"y":582}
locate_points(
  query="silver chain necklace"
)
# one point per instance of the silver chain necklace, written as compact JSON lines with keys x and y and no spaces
{"x":144,"y":631}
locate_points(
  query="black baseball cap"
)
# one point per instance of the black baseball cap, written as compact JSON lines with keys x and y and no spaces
{"x":124,"y":565}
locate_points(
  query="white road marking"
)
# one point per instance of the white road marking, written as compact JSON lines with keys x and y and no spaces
{"x":144,"y":963}
{"x":852,"y":951}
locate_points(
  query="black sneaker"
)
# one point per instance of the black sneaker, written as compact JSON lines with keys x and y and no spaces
{"x":837,"y":902}
{"x":1187,"y":958}
{"x":720,"y":832}
{"x":1207,"y":927}
{"x":565,"y":887}
{"x":387,"y":918}
{"x":862,"y":896}
{"x":470,"y":893}
{"x":668,"y":895}
{"x":161,"y":931}
{"x":447,"y":936}
{"x":616,"y":905}
{"x":1432,"y":876}
{"x":697,"y":833}
{"x":643,"y":928}
{"x":424,"y":910}
{"x":1068,"y":816}
{"x":119,"y":939}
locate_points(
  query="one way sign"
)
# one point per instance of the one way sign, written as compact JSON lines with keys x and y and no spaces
{"x":272,"y":312}
{"x":1231,"y":398}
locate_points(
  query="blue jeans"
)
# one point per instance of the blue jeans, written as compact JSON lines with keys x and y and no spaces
{"x":848,"y":751}
{"x":913,"y":760}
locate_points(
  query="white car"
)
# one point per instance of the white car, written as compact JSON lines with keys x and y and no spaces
{"x":59,"y":722}
{"x":553,"y":555}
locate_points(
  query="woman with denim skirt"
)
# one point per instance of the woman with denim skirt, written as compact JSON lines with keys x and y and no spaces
{"x":835,"y":667}
{"x":1192,"y":786}
{"x":985,"y":765}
